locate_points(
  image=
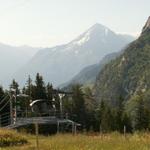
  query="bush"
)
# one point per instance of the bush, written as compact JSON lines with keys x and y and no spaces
{"x":11,"y":138}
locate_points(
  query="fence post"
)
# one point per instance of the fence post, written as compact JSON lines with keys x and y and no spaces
{"x":75,"y":129}
{"x":124,"y":131}
{"x":11,"y":111}
{"x":37,"y":135}
{"x":0,"y":120}
{"x":57,"y":127}
{"x":100,"y":129}
{"x":72,"y":127}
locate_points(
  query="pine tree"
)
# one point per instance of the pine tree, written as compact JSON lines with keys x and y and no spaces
{"x":126,"y":122}
{"x":138,"y":112}
{"x":118,"y":114}
{"x":105,"y":117}
{"x":78,"y":105}
{"x":49,"y":91}
{"x":14,"y":85}
{"x":90,"y":106}
{"x":68,"y":106}
{"x":29,"y":87}
{"x":40,"y":90}
{"x":1,"y":92}
{"x":106,"y":120}
{"x":141,"y":118}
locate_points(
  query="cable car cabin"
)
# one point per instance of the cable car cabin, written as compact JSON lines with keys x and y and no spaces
{"x":42,"y":107}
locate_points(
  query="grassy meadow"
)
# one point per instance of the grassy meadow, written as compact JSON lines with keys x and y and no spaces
{"x":113,"y":141}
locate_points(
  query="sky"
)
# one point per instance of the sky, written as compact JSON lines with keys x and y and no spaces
{"x":47,"y":23}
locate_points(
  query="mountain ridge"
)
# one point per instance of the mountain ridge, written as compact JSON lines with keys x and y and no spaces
{"x":147,"y":25}
{"x":87,"y":76}
{"x":11,"y":59}
{"x":60,"y":63}
{"x":128,"y":74}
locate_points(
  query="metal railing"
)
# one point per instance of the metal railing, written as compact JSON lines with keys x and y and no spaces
{"x":15,"y":117}
{"x":23,"y":118}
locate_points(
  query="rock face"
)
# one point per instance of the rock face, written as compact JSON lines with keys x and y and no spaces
{"x":147,"y":25}
{"x":61,"y":63}
{"x":127,"y":75}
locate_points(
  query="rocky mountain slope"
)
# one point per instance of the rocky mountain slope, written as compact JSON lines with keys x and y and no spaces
{"x":128,"y":74}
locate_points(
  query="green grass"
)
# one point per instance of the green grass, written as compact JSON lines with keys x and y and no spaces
{"x":114,"y":141}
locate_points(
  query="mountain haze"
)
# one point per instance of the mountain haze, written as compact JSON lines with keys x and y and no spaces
{"x":87,"y":76}
{"x":12,"y":58}
{"x":61,"y":63}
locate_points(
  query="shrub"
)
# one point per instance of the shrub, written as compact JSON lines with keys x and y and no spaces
{"x":11,"y":138}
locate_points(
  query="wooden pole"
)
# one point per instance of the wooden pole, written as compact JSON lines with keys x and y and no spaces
{"x":124,"y":130}
{"x":11,"y":111}
{"x":72,"y":127}
{"x":100,"y":129}
{"x":75,"y":129}
{"x":15,"y":108}
{"x":37,"y":135}
{"x":0,"y":121}
{"x":57,"y":127}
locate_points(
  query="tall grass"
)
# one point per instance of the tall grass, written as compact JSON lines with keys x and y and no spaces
{"x":11,"y":138}
{"x":113,"y":141}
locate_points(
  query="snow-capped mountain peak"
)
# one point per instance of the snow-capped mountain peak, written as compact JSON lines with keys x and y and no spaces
{"x":59,"y":64}
{"x":81,"y":40}
{"x":99,"y":28}
{"x":95,"y":31}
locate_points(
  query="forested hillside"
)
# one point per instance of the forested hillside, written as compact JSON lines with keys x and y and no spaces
{"x":129,"y":74}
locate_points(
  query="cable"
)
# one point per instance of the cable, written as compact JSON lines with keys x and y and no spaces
{"x":5,"y":105}
{"x":3,"y":96}
{"x":4,"y":114}
{"x":3,"y":99}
